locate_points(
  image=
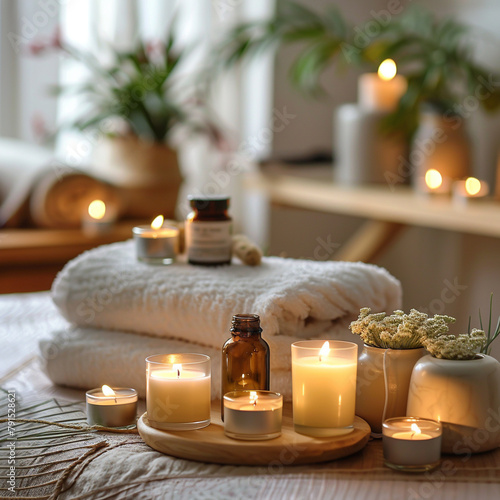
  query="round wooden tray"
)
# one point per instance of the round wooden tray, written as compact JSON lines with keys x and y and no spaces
{"x":212,"y":445}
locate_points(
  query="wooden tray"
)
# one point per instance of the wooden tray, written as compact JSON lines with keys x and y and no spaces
{"x":212,"y":445}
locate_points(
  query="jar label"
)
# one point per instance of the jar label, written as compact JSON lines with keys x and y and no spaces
{"x":208,"y":241}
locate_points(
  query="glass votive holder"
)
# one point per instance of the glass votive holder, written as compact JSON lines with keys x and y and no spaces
{"x":178,"y":391}
{"x":324,"y":387}
{"x":156,"y":246}
{"x":412,"y":444}
{"x":253,"y":415}
{"x":111,"y":407}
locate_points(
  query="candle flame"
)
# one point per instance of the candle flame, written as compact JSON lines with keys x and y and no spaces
{"x":97,"y":209}
{"x":387,"y":70}
{"x":253,"y":397}
{"x":178,"y":369}
{"x":433,"y":178}
{"x":107,"y":391}
{"x":324,"y":350}
{"x":157,"y":222}
{"x":416,"y":429}
{"x":472,"y":186}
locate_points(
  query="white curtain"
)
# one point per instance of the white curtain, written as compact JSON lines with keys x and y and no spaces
{"x":241,"y":99}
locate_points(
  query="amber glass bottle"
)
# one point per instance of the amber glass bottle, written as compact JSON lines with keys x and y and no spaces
{"x":208,"y":231}
{"x":245,"y":357}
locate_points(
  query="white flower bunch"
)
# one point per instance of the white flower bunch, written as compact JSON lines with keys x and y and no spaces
{"x":399,"y":330}
{"x":464,"y":346}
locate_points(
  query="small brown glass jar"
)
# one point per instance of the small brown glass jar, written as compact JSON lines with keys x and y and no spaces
{"x":245,"y":358}
{"x":208,"y":231}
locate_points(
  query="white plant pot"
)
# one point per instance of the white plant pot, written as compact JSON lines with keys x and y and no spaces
{"x":462,"y":394}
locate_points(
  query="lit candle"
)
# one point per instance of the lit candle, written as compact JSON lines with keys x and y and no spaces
{"x":252,"y":415}
{"x":178,"y":391}
{"x":324,"y":387}
{"x":433,"y":182}
{"x":98,"y":219}
{"x":111,"y":407}
{"x":156,"y":244}
{"x":411,"y":444}
{"x":381,"y":91}
{"x":470,"y":189}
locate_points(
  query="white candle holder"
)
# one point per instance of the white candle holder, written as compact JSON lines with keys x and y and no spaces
{"x":253,"y":415}
{"x":118,"y":410}
{"x":156,"y":246}
{"x":324,"y":387}
{"x":178,"y":391}
{"x":412,"y":444}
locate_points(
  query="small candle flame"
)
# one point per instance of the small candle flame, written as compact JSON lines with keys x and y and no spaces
{"x":433,"y":178}
{"x":324,"y":350}
{"x":107,"y":391}
{"x":97,"y":209}
{"x":416,"y":429}
{"x":178,"y":369}
{"x":472,"y":186}
{"x":387,"y":70}
{"x":253,"y":397}
{"x":157,"y":222}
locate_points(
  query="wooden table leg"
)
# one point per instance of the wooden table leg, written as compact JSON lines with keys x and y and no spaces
{"x":369,"y":241}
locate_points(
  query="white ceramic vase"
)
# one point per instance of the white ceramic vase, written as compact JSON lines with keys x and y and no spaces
{"x":464,"y":395}
{"x":384,"y":376}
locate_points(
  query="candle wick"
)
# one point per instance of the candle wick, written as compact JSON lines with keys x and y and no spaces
{"x":320,"y":358}
{"x":178,"y":373}
{"x":255,"y":402}
{"x":116,"y":401}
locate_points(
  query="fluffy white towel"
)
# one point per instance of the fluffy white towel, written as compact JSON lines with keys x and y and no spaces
{"x":88,"y":358}
{"x":108,"y":288}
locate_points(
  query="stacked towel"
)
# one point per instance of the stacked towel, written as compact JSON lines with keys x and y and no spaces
{"x":189,"y":309}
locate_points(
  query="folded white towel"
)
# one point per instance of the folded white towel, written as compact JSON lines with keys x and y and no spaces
{"x":108,"y":288}
{"x":87,"y":358}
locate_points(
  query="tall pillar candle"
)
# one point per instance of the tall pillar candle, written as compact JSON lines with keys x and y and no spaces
{"x":324,"y":387}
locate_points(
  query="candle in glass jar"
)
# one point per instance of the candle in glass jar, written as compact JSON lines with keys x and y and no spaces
{"x":252,"y":415}
{"x":324,"y":387}
{"x":411,"y":444}
{"x":111,"y":407}
{"x":178,"y":391}
{"x":156,"y":244}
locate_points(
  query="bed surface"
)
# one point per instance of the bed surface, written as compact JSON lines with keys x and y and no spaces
{"x":127,"y":468}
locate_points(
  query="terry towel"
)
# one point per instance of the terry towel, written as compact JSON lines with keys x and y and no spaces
{"x":108,"y":288}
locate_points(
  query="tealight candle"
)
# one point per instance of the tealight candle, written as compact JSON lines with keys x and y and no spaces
{"x":178,"y":391}
{"x":111,"y":407}
{"x":411,"y":444}
{"x":253,"y":415}
{"x":469,"y":189}
{"x":98,"y":219}
{"x":433,"y":182}
{"x":324,"y":387}
{"x":156,"y":244}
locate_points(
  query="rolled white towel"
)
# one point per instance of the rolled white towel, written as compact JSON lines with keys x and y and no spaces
{"x":108,"y":288}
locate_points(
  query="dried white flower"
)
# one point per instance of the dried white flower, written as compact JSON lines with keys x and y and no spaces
{"x":399,"y":330}
{"x":464,"y":346}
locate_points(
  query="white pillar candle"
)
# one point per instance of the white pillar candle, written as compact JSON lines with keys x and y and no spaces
{"x":411,"y":444}
{"x":324,"y":387}
{"x":111,"y":407}
{"x":178,"y":391}
{"x":252,"y":415}
{"x":156,"y":244}
{"x":381,"y":91}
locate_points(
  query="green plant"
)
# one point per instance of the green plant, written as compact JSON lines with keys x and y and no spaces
{"x":435,"y":55}
{"x":491,"y":335}
{"x":141,"y":88}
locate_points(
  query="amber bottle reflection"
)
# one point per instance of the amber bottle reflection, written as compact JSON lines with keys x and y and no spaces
{"x":245,"y":357}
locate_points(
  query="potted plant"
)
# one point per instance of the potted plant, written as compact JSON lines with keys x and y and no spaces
{"x":392,"y":346}
{"x":458,"y":383}
{"x":134,"y":101}
{"x":436,"y":56}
